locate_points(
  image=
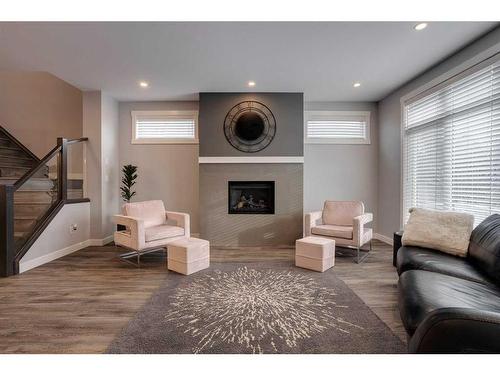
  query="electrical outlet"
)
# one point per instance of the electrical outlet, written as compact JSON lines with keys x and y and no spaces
{"x":73,"y":228}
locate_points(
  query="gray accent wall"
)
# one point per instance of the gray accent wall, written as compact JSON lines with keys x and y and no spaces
{"x":389,"y":156}
{"x":342,"y":172}
{"x":288,"y":110}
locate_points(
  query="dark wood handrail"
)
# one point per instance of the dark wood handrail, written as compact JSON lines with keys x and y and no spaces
{"x":37,"y":167}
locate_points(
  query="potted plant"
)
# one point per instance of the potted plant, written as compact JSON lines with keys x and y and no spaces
{"x":128,"y":180}
{"x":129,"y":175}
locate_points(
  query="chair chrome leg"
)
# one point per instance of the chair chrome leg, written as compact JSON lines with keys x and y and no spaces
{"x":361,"y":260}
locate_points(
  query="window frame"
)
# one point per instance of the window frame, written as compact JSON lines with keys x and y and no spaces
{"x":446,"y":79}
{"x":191,"y":114}
{"x":337,"y":115}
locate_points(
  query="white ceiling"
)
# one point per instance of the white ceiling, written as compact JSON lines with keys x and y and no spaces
{"x":179,"y":60}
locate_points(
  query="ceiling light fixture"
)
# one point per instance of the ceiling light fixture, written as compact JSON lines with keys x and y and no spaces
{"x":356,"y":84}
{"x":251,"y":83}
{"x":420,"y":26}
{"x":143,"y":84}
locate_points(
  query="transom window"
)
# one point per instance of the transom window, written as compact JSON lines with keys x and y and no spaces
{"x":451,"y":146}
{"x":341,"y":127}
{"x":164,"y":127}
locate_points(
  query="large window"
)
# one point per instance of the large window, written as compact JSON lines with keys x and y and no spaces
{"x":344,"y":127}
{"x":164,"y":127}
{"x":451,"y":146}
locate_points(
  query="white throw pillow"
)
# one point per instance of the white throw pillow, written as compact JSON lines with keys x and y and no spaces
{"x":448,"y":232}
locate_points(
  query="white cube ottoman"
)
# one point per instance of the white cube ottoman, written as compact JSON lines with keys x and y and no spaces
{"x":315,"y":253}
{"x":188,"y":255}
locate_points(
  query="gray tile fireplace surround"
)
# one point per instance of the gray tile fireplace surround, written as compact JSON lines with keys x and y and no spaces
{"x":223,"y":229}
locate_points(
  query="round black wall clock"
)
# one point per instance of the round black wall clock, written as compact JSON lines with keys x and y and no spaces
{"x":250,"y":126}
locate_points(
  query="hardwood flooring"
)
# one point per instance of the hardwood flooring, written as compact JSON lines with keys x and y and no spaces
{"x":79,"y":303}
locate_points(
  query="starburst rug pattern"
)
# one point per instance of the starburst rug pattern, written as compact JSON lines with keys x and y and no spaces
{"x":256,"y":308}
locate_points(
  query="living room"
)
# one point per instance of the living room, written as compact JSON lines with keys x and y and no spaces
{"x":249,"y":187}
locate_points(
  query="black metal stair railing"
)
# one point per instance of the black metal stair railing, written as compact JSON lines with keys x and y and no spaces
{"x":17,"y":234}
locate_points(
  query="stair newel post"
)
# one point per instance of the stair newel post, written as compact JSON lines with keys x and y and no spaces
{"x":7,"y":249}
{"x":62,"y":169}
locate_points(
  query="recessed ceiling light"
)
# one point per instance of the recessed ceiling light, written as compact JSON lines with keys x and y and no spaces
{"x":420,"y":26}
{"x":356,"y":84}
{"x":143,"y":84}
{"x":251,"y":83}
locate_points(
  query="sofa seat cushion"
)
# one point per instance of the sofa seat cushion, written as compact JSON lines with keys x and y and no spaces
{"x":160,"y":232}
{"x":421,"y":292}
{"x":418,"y":258}
{"x":340,"y":231}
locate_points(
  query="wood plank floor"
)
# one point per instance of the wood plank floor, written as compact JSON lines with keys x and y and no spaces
{"x":79,"y":303}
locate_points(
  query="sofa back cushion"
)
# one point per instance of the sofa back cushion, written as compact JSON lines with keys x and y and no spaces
{"x":448,"y":232}
{"x":342,"y":212}
{"x":484,"y":247}
{"x":152,"y":212}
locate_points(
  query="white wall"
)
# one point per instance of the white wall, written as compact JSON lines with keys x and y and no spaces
{"x":389,"y":157}
{"x":342,"y":172}
{"x":166,"y":171}
{"x":100,"y":125}
{"x":110,"y":166}
{"x":57,"y":240}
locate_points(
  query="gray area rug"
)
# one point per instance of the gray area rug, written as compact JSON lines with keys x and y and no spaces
{"x":268,"y":307}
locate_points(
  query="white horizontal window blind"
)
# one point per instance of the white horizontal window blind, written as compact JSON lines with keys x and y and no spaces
{"x":451,"y":147}
{"x":164,"y":127}
{"x":337,"y":127}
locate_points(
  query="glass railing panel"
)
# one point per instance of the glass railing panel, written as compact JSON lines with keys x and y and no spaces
{"x":75,"y":170}
{"x":34,"y":199}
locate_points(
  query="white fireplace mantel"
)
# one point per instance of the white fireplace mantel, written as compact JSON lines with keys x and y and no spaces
{"x":250,"y":159}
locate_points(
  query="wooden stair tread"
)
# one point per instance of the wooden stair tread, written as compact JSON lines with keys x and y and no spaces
{"x":15,"y":166}
{"x":14,"y":148}
{"x":17,"y":157}
{"x":31,"y":203}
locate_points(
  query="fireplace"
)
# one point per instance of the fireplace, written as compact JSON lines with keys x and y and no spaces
{"x":251,"y":197}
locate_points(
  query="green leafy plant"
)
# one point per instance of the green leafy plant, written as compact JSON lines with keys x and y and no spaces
{"x":128,"y":180}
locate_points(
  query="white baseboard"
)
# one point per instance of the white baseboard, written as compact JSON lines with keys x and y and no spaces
{"x":100,"y":242}
{"x":383,"y":238}
{"x":25,"y":266}
{"x":30,"y":264}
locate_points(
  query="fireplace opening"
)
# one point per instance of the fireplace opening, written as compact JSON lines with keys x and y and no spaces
{"x":251,"y":197}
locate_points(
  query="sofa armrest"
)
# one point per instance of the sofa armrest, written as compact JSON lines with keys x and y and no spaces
{"x":311,"y":220}
{"x":135,"y":237}
{"x":457,"y":330}
{"x":182,"y":220}
{"x":358,"y":225}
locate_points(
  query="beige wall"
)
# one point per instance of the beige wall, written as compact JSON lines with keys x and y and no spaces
{"x":166,"y":172}
{"x":37,"y":107}
{"x":342,"y":172}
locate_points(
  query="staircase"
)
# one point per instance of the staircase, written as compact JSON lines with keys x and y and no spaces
{"x":32,"y":192}
{"x":35,"y":197}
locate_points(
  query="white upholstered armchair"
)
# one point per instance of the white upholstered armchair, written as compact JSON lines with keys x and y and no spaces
{"x":343,"y":221}
{"x":149,"y":227}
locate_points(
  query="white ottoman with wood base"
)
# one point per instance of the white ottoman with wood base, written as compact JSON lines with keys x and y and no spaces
{"x":315,"y":253}
{"x":188,"y":255}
